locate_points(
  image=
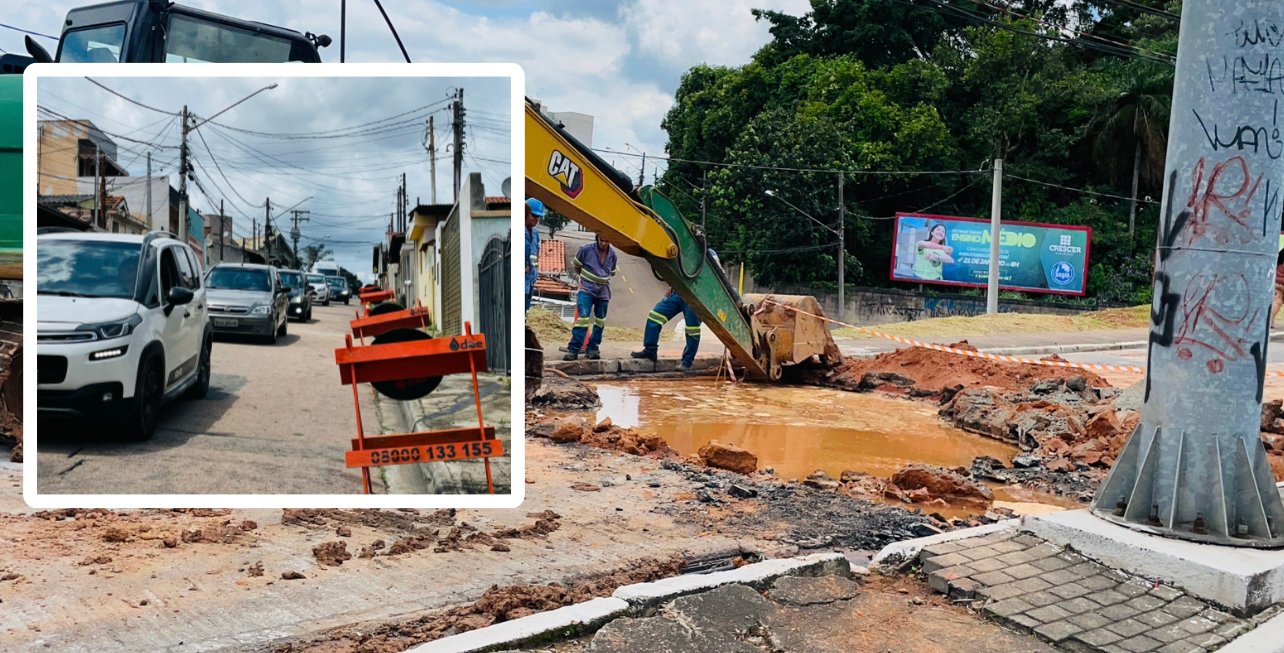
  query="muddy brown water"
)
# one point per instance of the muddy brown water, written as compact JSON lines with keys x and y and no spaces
{"x":798,"y":430}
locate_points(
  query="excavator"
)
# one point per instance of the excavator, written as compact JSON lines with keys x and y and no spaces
{"x":763,"y":333}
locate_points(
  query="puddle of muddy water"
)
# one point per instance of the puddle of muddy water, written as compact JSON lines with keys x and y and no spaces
{"x":798,"y":430}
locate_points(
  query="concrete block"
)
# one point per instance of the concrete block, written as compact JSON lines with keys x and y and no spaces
{"x":892,"y":555}
{"x":1266,"y":638}
{"x":758,"y":575}
{"x":585,"y":616}
{"x":1057,"y":631}
{"x":1245,"y":580}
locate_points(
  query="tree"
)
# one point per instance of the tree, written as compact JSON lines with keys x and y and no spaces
{"x":354,"y":284}
{"x":555,"y":222}
{"x":312,"y":253}
{"x":1136,"y":113}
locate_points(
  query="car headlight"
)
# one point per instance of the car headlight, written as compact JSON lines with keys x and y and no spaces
{"x":116,"y":329}
{"x":262,"y":309}
{"x":296,"y":299}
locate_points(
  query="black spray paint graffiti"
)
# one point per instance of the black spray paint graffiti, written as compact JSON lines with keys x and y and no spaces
{"x":1163,"y":309}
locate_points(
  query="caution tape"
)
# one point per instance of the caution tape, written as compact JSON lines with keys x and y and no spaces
{"x":982,"y":355}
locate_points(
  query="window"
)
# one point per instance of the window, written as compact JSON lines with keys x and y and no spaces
{"x":169,"y":274}
{"x":194,"y":40}
{"x":98,"y":44}
{"x":187,"y":275}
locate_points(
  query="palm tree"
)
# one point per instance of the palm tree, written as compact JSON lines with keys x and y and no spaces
{"x":1136,"y":113}
{"x":313,"y":253}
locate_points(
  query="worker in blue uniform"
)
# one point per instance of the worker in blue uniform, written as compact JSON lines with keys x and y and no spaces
{"x":596,"y":264}
{"x":534,"y":213}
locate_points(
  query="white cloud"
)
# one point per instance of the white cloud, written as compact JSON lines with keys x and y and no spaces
{"x":682,"y":33}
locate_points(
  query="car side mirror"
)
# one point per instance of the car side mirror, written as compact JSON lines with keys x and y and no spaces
{"x":178,"y":296}
{"x":281,"y":290}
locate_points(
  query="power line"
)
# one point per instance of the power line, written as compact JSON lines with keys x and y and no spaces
{"x":1077,"y":190}
{"x":1123,"y":46}
{"x":788,"y":169}
{"x":27,"y":31}
{"x":127,"y":98}
{"x":1149,"y":10}
{"x":338,"y":132}
{"x":222,"y":174}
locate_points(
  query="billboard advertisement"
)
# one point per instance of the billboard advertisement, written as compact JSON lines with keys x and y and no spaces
{"x":954,"y":251}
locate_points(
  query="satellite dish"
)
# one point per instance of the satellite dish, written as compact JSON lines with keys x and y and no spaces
{"x":507,"y":187}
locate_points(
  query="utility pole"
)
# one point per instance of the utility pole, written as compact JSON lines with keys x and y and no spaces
{"x":150,"y":216}
{"x":458,"y":127}
{"x":254,"y":234}
{"x":403,"y":208}
{"x":222,"y":229}
{"x":182,"y":176}
{"x":642,"y":171}
{"x":432,"y":159}
{"x":996,"y":222}
{"x":295,"y":233}
{"x":98,"y":221}
{"x":1195,"y":468}
{"x":842,"y":250}
{"x":267,"y":230}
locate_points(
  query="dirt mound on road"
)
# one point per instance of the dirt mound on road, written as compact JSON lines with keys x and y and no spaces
{"x":604,"y":435}
{"x":927,"y":484}
{"x":919,"y":371}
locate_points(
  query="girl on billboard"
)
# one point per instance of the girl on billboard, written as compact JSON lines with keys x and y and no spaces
{"x":932,"y":254}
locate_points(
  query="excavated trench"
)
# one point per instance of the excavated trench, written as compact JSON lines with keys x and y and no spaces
{"x":797,"y":430}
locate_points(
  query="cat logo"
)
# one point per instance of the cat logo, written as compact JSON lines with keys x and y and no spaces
{"x":567,"y":174}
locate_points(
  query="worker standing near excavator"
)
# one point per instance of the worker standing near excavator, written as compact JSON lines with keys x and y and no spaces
{"x":534,"y":213}
{"x":666,"y":310}
{"x":596,"y":264}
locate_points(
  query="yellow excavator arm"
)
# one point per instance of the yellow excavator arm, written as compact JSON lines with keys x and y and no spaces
{"x":762,"y":334}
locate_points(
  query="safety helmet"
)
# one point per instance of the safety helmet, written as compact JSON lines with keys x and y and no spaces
{"x":536,"y":206}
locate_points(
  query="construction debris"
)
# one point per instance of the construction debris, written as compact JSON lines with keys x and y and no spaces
{"x":729,"y":457}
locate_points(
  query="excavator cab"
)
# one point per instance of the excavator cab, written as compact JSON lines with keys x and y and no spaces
{"x":154,"y":31}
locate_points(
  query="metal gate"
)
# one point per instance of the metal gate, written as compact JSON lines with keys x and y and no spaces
{"x":451,"y":320}
{"x":493,"y":297}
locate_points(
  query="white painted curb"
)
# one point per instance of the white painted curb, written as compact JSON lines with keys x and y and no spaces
{"x":756,"y":575}
{"x":897,"y":552}
{"x":512,"y":633}
{"x":1266,"y":638}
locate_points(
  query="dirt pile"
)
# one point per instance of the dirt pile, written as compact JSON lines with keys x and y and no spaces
{"x":557,"y":391}
{"x":604,"y":435}
{"x":497,"y":605}
{"x":534,"y":364}
{"x":1273,"y":436}
{"x":729,"y":457}
{"x":406,"y":531}
{"x":923,"y":372}
{"x":937,"y":486}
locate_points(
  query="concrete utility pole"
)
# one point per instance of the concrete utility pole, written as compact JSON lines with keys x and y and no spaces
{"x":254,"y":234}
{"x":459,"y":143}
{"x":432,"y":159}
{"x":98,"y":220}
{"x":267,"y":230}
{"x":222,"y":229}
{"x":642,"y":171}
{"x":294,"y":231}
{"x":996,"y":231}
{"x":150,"y":214}
{"x":1194,"y":469}
{"x":842,"y":251}
{"x":182,"y":176}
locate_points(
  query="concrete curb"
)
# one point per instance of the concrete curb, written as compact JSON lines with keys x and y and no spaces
{"x":586,"y":617}
{"x":1266,"y":638}
{"x":562,"y":622}
{"x":1064,"y":349}
{"x":757,"y":575}
{"x":896,"y":553}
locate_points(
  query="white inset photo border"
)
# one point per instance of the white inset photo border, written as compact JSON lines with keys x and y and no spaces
{"x":489,"y":120}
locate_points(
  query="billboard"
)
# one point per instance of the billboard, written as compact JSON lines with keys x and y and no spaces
{"x":953,"y":251}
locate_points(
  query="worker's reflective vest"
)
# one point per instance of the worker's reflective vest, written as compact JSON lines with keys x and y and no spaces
{"x":596,"y":272}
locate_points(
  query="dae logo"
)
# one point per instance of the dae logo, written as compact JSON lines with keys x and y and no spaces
{"x":1062,"y":273}
{"x":567,"y":173}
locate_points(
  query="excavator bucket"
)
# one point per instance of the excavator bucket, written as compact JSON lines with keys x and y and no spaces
{"x":793,"y":329}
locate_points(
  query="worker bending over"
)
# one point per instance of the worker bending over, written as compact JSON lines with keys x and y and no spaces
{"x":596,"y":265}
{"x":666,"y":310}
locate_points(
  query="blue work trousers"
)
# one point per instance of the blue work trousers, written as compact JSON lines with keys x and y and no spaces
{"x":664,"y":311}
{"x":590,"y":312}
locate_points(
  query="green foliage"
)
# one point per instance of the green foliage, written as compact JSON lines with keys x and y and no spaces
{"x":554,"y":221}
{"x":879,"y":85}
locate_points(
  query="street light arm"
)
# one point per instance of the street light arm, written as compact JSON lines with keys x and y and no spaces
{"x":265,"y":88}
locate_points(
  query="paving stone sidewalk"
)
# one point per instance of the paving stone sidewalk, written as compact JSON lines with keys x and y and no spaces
{"x":1076,"y":604}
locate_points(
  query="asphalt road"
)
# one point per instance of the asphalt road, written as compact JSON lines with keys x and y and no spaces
{"x":276,"y":421}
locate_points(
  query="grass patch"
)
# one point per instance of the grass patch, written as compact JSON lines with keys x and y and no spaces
{"x":551,"y":328}
{"x":985,"y":325}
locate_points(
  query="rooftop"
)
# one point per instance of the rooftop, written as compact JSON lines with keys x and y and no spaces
{"x":552,"y":256}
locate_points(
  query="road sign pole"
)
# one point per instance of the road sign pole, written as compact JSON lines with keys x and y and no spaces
{"x":1195,"y":468}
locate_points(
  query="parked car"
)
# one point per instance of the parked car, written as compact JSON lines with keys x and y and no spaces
{"x":320,"y":289}
{"x":300,"y":296}
{"x":339,"y":290}
{"x":247,"y":298}
{"x":121,"y":326}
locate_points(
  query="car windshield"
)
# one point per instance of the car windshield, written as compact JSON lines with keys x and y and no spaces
{"x":231,"y":278}
{"x":316,"y":278}
{"x":86,"y":268}
{"x":338,"y":283}
{"x":292,"y":279}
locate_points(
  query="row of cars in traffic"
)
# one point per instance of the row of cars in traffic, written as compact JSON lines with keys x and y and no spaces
{"x":126,"y":322}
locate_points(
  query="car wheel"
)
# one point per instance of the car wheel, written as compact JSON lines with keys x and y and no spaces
{"x":308,"y":317}
{"x":202,"y":385}
{"x":271,"y":338}
{"x":345,"y":302}
{"x":145,"y":412}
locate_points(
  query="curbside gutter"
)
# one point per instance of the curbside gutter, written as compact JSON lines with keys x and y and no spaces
{"x":636,"y":599}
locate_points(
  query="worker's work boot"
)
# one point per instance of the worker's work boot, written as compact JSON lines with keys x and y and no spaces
{"x":687,"y":368}
{"x":593,"y":354}
{"x":644,"y":354}
{"x":570,"y":356}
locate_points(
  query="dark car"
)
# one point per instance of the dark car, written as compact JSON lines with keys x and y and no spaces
{"x":339,"y":291}
{"x":300,"y":297}
{"x":248,"y":299}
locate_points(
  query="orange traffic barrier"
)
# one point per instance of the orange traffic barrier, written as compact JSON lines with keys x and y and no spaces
{"x":415,"y":317}
{"x":414,"y":367}
{"x":374,"y":296}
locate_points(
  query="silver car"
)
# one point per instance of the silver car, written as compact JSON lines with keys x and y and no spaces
{"x":320,"y":289}
{"x":247,"y":298}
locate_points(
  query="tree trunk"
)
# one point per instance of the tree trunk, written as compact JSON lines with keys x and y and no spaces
{"x":1136,"y":177}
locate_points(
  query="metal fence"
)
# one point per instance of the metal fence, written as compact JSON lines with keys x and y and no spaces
{"x":494,"y":298}
{"x":451,"y":320}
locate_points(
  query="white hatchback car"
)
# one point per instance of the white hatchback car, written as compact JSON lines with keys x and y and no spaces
{"x":122,"y":326}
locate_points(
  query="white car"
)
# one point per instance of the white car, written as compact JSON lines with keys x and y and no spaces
{"x":122,"y":326}
{"x":320,"y":289}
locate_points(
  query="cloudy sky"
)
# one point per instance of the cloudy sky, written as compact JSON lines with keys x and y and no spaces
{"x":333,"y":146}
{"x":618,"y":61}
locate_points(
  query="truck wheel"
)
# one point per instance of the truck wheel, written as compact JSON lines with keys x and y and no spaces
{"x":143,"y":415}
